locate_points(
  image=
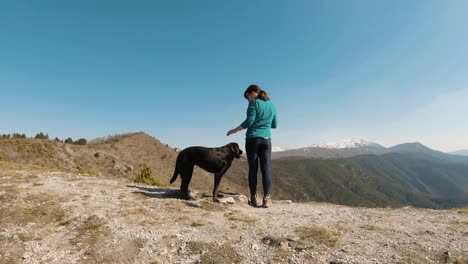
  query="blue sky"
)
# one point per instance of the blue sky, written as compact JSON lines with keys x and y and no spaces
{"x":386,"y":71}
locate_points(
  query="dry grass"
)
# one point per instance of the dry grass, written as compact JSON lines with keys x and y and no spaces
{"x":93,"y":223}
{"x":40,"y":208}
{"x":169,"y":236}
{"x":11,"y":250}
{"x":126,"y":252}
{"x":198,"y":223}
{"x":463,"y":210}
{"x":175,"y":206}
{"x":370,"y":227}
{"x":67,"y":222}
{"x":13,"y":167}
{"x":90,"y":236}
{"x":134,"y":211}
{"x":460,"y":222}
{"x":282,"y":255}
{"x":150,"y":222}
{"x":242,"y":218}
{"x":17,"y":211}
{"x":318,"y":235}
{"x":83,"y":171}
{"x":213,"y":253}
{"x":212,"y":207}
{"x":413,"y":253}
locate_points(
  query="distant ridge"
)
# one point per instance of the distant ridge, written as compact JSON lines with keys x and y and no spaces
{"x":356,"y":147}
{"x":411,"y":147}
{"x":460,"y":152}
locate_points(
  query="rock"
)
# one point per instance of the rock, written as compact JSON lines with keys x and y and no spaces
{"x":282,"y":202}
{"x":2,"y":193}
{"x":228,"y":200}
{"x":241,"y":198}
{"x":193,"y":203}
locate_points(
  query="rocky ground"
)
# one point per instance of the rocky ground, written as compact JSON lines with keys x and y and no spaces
{"x":57,"y":217}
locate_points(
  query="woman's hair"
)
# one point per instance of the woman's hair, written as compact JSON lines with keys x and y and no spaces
{"x":255,"y":88}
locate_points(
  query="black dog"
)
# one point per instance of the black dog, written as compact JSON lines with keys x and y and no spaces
{"x":214,"y":160}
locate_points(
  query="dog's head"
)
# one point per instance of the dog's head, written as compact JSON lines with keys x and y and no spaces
{"x":234,"y":148}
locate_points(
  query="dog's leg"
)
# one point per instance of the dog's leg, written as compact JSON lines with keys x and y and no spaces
{"x":218,"y":177}
{"x":217,"y":180}
{"x":186,"y":176}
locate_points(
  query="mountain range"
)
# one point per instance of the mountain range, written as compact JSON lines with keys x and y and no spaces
{"x":355,"y":147}
{"x":369,"y":175}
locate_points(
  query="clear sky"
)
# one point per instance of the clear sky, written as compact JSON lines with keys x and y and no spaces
{"x":385,"y":71}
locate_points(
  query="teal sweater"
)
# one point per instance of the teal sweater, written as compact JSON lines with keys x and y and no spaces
{"x":261,"y":117}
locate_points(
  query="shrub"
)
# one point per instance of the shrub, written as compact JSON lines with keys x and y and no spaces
{"x":41,"y":136}
{"x":81,"y":141}
{"x":16,"y":135}
{"x":69,"y":141}
{"x":81,"y":170}
{"x":146,"y":176}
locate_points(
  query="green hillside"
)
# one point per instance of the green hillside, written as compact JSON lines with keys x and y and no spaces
{"x":394,"y":179}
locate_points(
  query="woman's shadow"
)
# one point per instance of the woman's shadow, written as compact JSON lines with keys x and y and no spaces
{"x":156,"y":192}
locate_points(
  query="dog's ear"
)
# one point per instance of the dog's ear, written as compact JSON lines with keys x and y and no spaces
{"x":234,"y":146}
{"x":235,"y":149}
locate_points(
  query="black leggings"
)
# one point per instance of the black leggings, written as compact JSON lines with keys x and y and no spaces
{"x":259,"y":149}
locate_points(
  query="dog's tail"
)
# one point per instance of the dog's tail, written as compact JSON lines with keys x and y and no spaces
{"x":176,"y":171}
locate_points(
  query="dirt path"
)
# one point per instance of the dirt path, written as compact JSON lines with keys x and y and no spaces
{"x":56,"y":217}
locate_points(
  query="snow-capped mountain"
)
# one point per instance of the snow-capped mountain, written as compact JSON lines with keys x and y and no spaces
{"x":277,"y":149}
{"x":340,"y":149}
{"x":349,"y":143}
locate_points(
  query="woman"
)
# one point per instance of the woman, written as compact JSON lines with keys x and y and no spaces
{"x":261,"y":117}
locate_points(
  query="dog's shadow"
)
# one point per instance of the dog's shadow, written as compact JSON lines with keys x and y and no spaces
{"x":156,"y":192}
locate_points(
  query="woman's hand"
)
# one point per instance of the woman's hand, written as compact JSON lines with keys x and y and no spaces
{"x":235,"y":130}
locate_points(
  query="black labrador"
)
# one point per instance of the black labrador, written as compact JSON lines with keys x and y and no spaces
{"x":214,"y":160}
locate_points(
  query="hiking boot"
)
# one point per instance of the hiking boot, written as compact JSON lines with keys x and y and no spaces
{"x":266,"y":202}
{"x":253,"y":201}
